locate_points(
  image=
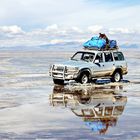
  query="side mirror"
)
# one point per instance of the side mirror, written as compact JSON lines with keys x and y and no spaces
{"x":96,"y":61}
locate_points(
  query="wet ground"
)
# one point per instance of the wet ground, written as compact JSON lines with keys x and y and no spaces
{"x":31,"y":107}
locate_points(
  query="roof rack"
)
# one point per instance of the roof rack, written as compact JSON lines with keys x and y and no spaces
{"x":101,"y":49}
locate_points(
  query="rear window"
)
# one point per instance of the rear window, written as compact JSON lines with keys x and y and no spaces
{"x":118,"y":56}
{"x":108,"y":57}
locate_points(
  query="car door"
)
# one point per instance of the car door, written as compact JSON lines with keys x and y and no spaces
{"x":108,"y":64}
{"x":98,"y":68}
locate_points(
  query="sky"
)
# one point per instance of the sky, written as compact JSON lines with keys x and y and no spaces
{"x":38,"y":22}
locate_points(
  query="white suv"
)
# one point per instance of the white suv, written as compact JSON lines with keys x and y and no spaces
{"x":87,"y":65}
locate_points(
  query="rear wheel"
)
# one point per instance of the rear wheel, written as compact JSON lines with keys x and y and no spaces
{"x":58,"y":81}
{"x":116,"y":77}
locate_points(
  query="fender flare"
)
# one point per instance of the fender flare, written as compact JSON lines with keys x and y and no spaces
{"x":117,"y":69}
{"x":84,"y":70}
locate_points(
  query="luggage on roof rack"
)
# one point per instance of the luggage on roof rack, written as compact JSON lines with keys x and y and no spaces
{"x":95,"y":42}
{"x":112,"y":43}
{"x":100,"y":43}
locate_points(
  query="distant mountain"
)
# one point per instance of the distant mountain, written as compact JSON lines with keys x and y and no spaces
{"x":130,"y":46}
{"x":19,"y":48}
{"x":63,"y":46}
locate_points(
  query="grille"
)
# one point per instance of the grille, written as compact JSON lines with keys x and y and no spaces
{"x":58,"y":68}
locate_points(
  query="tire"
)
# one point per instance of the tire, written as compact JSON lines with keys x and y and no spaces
{"x":116,"y":77}
{"x":58,"y":81}
{"x":84,"y":78}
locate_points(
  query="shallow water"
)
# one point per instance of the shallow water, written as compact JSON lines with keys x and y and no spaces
{"x":31,"y":107}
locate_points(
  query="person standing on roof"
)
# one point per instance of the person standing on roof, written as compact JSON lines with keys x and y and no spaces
{"x":104,"y":37}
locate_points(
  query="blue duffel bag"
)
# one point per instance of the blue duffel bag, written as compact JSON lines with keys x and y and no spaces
{"x":112,"y":43}
{"x":95,"y":42}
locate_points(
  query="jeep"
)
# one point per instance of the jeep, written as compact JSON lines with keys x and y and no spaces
{"x":87,"y":65}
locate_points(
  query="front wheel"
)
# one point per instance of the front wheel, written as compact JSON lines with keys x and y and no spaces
{"x":58,"y":81}
{"x":84,"y":78}
{"x":116,"y":77}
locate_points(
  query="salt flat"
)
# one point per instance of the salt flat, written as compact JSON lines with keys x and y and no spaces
{"x":27,"y":112}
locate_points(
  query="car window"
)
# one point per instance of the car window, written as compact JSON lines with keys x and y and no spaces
{"x":85,"y":56}
{"x":118,"y":56}
{"x":108,"y":57}
{"x":77,"y":56}
{"x":99,"y":57}
{"x":88,"y":57}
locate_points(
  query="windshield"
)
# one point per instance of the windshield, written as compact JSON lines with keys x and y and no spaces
{"x":85,"y":56}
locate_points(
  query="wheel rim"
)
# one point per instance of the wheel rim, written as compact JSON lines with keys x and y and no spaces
{"x":117,"y":77}
{"x":84,"y":79}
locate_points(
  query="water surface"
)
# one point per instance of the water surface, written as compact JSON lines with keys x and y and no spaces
{"x":32,"y":107}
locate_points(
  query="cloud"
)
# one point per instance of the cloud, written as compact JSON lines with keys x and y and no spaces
{"x":55,"y":34}
{"x":33,"y":14}
{"x":36,"y":22}
{"x":53,"y":27}
{"x":57,"y":41}
{"x":121,"y":30}
{"x":76,"y":29}
{"x":95,"y":28}
{"x":14,"y":29}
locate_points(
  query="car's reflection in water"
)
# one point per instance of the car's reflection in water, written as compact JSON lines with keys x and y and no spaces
{"x":99,"y":107}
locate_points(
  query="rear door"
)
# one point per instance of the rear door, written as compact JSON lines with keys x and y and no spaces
{"x":108,"y":64}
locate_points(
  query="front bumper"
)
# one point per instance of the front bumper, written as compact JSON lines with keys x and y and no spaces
{"x":61,"y":73}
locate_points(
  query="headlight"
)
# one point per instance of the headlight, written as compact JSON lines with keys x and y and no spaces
{"x":72,"y":69}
